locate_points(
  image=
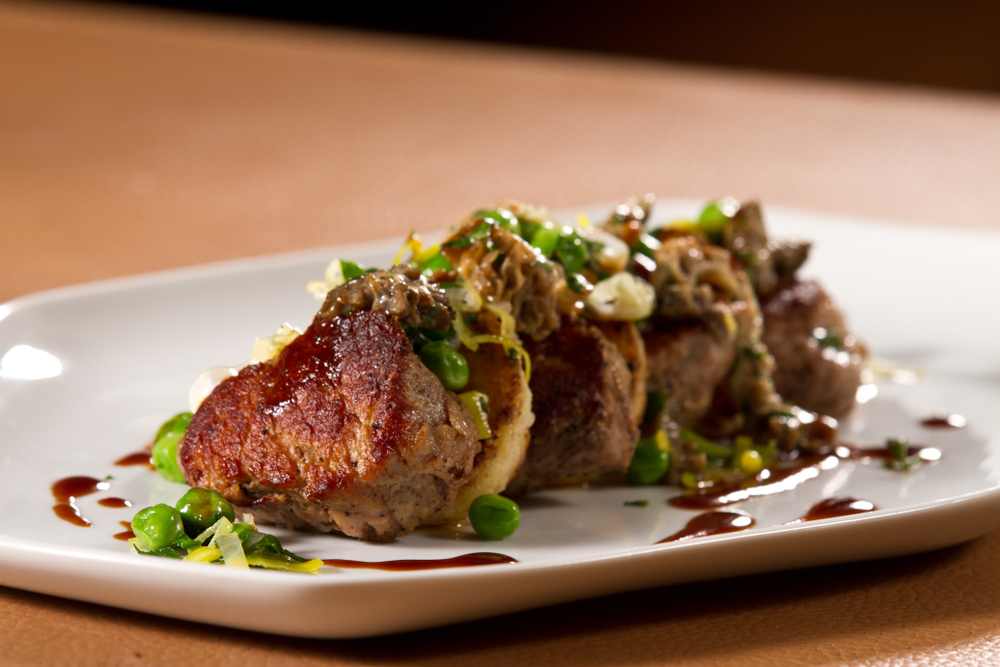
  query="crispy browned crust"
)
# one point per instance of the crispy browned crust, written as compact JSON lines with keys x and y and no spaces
{"x":344,"y":430}
{"x":582,"y":400}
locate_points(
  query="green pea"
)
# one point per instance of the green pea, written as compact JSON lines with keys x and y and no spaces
{"x":494,"y":517}
{"x":450,"y":366}
{"x":572,"y":252}
{"x":717,"y":214}
{"x":650,"y":463}
{"x":178,"y":422}
{"x":200,"y":508}
{"x":529,"y":228}
{"x":545,"y":239}
{"x":158,"y":526}
{"x":165,"y":456}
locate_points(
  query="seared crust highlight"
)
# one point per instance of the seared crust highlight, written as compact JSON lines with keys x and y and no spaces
{"x":344,"y":430}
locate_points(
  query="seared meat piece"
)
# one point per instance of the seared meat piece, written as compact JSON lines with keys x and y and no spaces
{"x":344,"y":430}
{"x":818,"y":361}
{"x":584,"y":422}
{"x":687,"y":362}
{"x":626,"y":337}
{"x":706,"y":307}
{"x":505,"y":268}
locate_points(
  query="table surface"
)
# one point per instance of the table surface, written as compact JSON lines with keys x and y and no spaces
{"x":135,"y":140}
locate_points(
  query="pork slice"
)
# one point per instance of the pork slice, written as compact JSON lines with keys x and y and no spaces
{"x":687,"y":361}
{"x":818,"y":362}
{"x":345,"y":430}
{"x":582,"y":399}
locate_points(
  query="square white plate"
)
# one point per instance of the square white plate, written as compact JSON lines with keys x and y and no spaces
{"x":121,"y":354}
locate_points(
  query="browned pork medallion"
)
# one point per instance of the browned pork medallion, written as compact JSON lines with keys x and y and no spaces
{"x":345,"y":429}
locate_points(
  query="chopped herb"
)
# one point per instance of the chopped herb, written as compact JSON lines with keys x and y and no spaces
{"x":636,"y":503}
{"x":706,"y":446}
{"x":352,"y":270}
{"x":656,"y":401}
{"x":899,"y":448}
{"x":828,"y":338}
{"x":577,"y":283}
{"x":757,"y":352}
{"x":646,"y":245}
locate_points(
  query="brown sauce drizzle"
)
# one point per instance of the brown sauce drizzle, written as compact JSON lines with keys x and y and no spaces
{"x":136,"y":459}
{"x":944,"y":421}
{"x":468,"y":560}
{"x":928,"y":454}
{"x":712,"y":523}
{"x":765,"y":483}
{"x":127,"y":534}
{"x":786,"y":476}
{"x":837,"y":506}
{"x":117,"y":503}
{"x":67,"y":490}
{"x":71,"y":513}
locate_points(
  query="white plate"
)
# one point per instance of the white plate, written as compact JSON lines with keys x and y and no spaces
{"x":128,"y":349}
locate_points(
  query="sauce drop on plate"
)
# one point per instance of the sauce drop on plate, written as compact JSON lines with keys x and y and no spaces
{"x":71,"y":513}
{"x":712,"y":523}
{"x":838,"y":506}
{"x":945,"y":421}
{"x":765,"y":483}
{"x":137,"y":459}
{"x":114,"y":502}
{"x":127,"y":534}
{"x":468,"y":560}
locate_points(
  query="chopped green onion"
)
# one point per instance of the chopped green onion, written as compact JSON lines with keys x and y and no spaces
{"x":706,"y":446}
{"x":636,"y":503}
{"x":478,"y":233}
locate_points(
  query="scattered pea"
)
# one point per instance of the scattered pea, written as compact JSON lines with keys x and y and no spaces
{"x":178,"y":422}
{"x":494,"y":517}
{"x":158,"y":526}
{"x":545,"y":239}
{"x":200,"y":508}
{"x":650,"y":463}
{"x":165,"y":456}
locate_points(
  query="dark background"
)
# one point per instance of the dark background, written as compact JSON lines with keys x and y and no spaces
{"x":949,"y":44}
